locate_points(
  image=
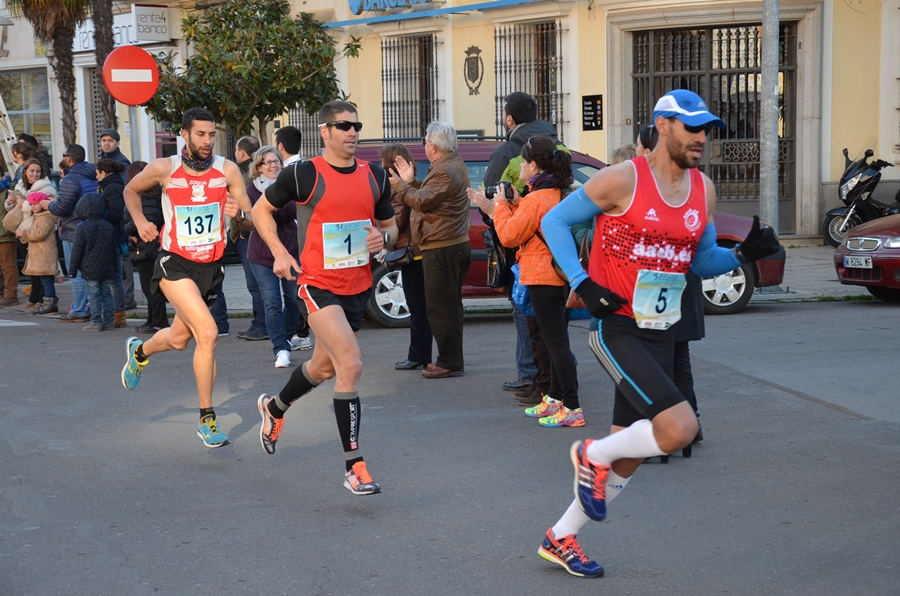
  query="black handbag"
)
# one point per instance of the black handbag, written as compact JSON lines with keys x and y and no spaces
{"x":398,"y":258}
{"x":497,"y":267}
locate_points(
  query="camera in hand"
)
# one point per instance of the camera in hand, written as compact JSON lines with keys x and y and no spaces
{"x":504,"y":190}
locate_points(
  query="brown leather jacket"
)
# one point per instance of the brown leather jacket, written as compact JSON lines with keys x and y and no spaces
{"x":440,"y":207}
{"x":401,"y":216}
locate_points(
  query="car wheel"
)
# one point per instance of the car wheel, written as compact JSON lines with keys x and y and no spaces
{"x":832,"y":224}
{"x":886,"y":294}
{"x":387,"y":304}
{"x":730,"y":292}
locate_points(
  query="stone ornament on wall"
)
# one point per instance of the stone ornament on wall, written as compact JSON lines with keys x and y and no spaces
{"x":473,"y":69}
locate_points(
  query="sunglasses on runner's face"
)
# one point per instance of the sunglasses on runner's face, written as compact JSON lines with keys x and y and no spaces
{"x":707,"y":128}
{"x":344,"y":125}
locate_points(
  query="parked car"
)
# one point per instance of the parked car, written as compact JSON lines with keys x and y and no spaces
{"x":870,"y":257}
{"x":724,"y":294}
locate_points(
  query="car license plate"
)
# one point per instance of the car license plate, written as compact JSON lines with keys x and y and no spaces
{"x":855,"y":262}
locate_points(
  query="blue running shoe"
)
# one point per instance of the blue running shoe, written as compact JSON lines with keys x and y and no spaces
{"x":590,"y":481}
{"x":210,"y":434}
{"x":131,"y":373}
{"x":567,"y":552}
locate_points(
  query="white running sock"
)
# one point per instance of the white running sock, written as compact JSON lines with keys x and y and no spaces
{"x":574,"y":518}
{"x":636,"y":441}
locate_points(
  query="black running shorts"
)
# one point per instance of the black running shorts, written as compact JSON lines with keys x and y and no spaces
{"x":313,"y":299}
{"x":207,"y":276}
{"x":639,"y":361}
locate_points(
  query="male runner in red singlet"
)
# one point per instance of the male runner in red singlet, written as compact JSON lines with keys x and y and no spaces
{"x":196,"y":188}
{"x":654,"y":221}
{"x":338,"y":200}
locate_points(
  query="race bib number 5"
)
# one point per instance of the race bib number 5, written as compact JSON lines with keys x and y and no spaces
{"x":344,"y":244}
{"x":657,"y":299}
{"x":196,"y":225}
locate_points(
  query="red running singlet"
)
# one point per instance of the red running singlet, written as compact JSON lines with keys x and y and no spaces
{"x":194,"y":212}
{"x":639,"y":254}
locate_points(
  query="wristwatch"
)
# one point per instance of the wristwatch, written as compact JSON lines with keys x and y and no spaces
{"x":241,"y":216}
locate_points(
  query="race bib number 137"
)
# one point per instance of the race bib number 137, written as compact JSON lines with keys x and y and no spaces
{"x":197,"y":225}
{"x":344,"y":244}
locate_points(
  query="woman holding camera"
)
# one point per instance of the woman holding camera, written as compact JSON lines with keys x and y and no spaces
{"x":546,"y":171}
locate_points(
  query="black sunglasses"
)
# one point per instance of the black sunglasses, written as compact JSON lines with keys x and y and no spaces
{"x":707,"y":128}
{"x":344,"y":125}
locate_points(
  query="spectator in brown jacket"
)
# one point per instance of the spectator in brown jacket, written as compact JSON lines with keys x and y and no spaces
{"x":440,"y":226}
{"x":420,"y":336}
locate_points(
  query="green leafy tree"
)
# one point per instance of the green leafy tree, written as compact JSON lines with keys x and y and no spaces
{"x":54,"y":23}
{"x":250,"y":60}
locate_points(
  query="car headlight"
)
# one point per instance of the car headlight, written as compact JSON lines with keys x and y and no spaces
{"x":849,"y":185}
{"x":892,"y":242}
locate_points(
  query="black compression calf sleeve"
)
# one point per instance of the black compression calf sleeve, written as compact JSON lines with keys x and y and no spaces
{"x":347,"y":413}
{"x":297,"y":386}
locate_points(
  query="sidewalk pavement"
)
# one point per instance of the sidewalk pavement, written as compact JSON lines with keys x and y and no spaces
{"x":809,"y":275}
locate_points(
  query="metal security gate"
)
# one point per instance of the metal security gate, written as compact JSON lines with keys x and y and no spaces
{"x":310,"y":141}
{"x":96,"y":123}
{"x":409,"y":83}
{"x":529,"y":58}
{"x":722,"y":65}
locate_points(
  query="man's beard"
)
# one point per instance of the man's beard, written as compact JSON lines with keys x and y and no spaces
{"x":195,"y":152}
{"x":680,"y":154}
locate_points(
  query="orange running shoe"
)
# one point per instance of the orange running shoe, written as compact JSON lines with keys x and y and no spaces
{"x":271,"y":426}
{"x":359,"y":482}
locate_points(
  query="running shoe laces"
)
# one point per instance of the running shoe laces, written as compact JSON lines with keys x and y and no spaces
{"x":271,"y":426}
{"x":571,"y":548}
{"x":547,"y":407}
{"x":590,"y":481}
{"x":359,"y":481}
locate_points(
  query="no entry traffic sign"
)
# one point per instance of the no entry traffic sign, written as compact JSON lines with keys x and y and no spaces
{"x":130,"y":75}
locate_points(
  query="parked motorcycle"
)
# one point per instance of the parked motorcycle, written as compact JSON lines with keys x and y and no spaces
{"x":855,"y":188}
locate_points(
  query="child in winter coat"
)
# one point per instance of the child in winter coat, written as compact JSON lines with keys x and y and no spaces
{"x":94,"y":254}
{"x":42,"y":260}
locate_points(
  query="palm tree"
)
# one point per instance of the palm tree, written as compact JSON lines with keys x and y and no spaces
{"x":102,"y":15}
{"x":54,"y":23}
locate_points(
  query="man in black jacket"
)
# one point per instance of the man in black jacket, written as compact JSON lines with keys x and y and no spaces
{"x":109,"y":149}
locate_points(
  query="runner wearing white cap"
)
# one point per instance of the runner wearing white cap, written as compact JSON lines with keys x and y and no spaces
{"x":654,"y":221}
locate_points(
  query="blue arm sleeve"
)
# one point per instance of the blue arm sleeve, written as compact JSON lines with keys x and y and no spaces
{"x":575,"y":208}
{"x":712,"y":259}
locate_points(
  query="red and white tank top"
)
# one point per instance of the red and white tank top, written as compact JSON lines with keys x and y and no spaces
{"x":643,"y":253}
{"x":334,"y":254}
{"x":194,"y":212}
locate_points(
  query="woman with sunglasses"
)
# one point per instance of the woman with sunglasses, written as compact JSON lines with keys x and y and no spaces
{"x":282,"y":311}
{"x":546,"y":171}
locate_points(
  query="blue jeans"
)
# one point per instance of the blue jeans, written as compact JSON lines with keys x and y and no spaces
{"x":282,"y":312}
{"x":219,"y":312}
{"x":525,"y":367}
{"x":100,"y":293}
{"x":79,"y":306}
{"x":49,"y":287}
{"x":118,"y":286}
{"x":258,"y":323}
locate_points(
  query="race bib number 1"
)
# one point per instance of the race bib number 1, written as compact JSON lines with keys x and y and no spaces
{"x":197,"y":225}
{"x":344,"y":244}
{"x":657,"y":299}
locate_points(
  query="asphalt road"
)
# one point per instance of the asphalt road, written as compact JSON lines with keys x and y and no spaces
{"x":794,"y":490}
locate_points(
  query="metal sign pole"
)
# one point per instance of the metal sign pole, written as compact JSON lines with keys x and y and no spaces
{"x":135,"y":134}
{"x":768,"y":116}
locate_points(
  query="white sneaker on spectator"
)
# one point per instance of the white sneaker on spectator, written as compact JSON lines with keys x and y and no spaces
{"x":301,"y":343}
{"x":283,"y":359}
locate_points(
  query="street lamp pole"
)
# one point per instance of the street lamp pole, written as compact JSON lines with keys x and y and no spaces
{"x":768,"y":117}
